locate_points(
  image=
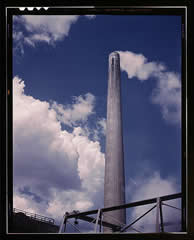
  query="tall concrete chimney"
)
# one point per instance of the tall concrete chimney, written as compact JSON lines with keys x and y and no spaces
{"x":114,"y":182}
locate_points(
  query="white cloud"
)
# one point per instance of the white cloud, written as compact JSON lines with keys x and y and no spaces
{"x":167,"y":93}
{"x":19,"y":38}
{"x":23,"y":203}
{"x":67,"y":201}
{"x":35,"y":38}
{"x":102,"y":124}
{"x":62,"y":169}
{"x":90,"y":162}
{"x":151,"y":187}
{"x":80,"y":110}
{"x":98,"y":132}
{"x":90,"y":16}
{"x":154,"y":186}
{"x":137,"y":65}
{"x":44,"y":28}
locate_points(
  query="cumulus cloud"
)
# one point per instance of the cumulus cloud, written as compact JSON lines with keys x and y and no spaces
{"x":136,"y":65}
{"x":24,"y":203}
{"x":167,"y":93}
{"x":98,"y":132}
{"x":55,"y":170}
{"x":153,"y":186}
{"x":79,"y":110}
{"x":90,"y":162}
{"x":43,"y":28}
{"x":68,"y":201}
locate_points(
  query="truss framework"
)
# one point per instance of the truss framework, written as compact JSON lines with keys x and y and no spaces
{"x":98,"y":221}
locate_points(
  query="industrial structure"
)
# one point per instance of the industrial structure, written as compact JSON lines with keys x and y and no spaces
{"x":114,"y":179}
{"x":112,"y":218}
{"x":26,"y":222}
{"x":96,"y":216}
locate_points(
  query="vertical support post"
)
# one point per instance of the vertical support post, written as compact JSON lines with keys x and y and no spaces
{"x":158,"y":215}
{"x":161,"y":217}
{"x":96,"y":225}
{"x":100,"y":221}
{"x":63,"y":224}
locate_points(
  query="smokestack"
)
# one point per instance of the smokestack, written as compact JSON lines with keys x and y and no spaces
{"x":114,"y":182}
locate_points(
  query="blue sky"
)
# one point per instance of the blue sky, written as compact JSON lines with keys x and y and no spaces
{"x":60,"y":114}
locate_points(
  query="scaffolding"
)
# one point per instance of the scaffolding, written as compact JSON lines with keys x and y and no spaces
{"x":120,"y":228}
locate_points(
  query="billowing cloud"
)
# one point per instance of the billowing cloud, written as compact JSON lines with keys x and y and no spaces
{"x":80,"y":110}
{"x":154,"y":186}
{"x":54,"y":170}
{"x":136,"y":65}
{"x":98,"y":132}
{"x":90,"y":162}
{"x":57,"y":170}
{"x":167,"y":93}
{"x":43,"y":28}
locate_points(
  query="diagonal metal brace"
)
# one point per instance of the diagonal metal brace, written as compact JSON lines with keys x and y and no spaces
{"x":129,"y":225}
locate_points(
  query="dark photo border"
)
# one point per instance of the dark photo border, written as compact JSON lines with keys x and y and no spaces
{"x":10,"y":8}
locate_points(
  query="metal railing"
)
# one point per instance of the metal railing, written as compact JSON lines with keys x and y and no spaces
{"x":35,"y":216}
{"x":159,"y":224}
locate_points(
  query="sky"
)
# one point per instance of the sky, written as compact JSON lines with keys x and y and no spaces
{"x":60,"y":76}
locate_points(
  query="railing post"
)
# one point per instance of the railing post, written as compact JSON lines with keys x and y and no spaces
{"x":98,"y":215}
{"x":63,"y":224}
{"x":158,"y":215}
{"x":100,"y":221}
{"x":161,"y":217}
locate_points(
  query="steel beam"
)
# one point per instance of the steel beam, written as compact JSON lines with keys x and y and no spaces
{"x":128,"y":205}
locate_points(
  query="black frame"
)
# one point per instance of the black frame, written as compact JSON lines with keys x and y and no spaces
{"x":103,"y":7}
